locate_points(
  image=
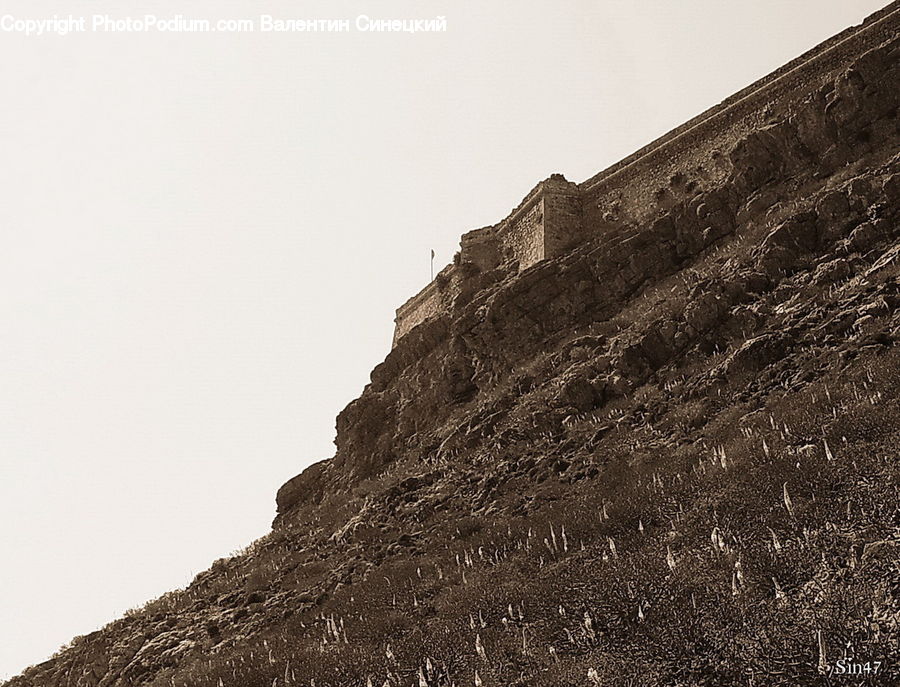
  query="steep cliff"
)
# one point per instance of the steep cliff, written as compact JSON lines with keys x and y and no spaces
{"x":664,"y":457}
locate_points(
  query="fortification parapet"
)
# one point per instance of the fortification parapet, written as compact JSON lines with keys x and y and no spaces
{"x":546,"y":223}
{"x":626,"y":198}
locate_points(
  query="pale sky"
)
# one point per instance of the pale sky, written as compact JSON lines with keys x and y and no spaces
{"x":204,"y":237}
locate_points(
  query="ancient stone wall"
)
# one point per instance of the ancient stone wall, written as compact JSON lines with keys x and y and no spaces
{"x":440,"y":294}
{"x":522,"y":234}
{"x":693,"y":156}
{"x":517,"y":241}
{"x":424,"y":305}
{"x":627,"y":197}
{"x":563,"y":227}
{"x":480,"y":248}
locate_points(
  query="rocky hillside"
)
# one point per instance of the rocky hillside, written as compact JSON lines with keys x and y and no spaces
{"x":667,"y":457}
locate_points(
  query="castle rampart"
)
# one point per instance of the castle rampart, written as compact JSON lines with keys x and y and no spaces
{"x":557,"y":215}
{"x":546,"y":223}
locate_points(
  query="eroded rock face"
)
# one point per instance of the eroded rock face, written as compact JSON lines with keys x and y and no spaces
{"x":366,"y":431}
{"x":509,"y":323}
{"x":602,"y":411}
{"x":304,"y":488}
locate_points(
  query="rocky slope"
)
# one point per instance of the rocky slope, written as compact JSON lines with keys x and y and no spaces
{"x":668,"y":457}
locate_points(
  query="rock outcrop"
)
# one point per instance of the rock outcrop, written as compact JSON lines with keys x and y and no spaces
{"x":666,"y":456}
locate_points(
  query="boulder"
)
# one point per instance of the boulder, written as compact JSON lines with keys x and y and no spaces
{"x":577,"y":393}
{"x":307,"y":486}
{"x":787,"y":245}
{"x":757,"y":353}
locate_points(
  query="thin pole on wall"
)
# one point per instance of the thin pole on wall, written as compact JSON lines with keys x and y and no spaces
{"x":432,"y":264}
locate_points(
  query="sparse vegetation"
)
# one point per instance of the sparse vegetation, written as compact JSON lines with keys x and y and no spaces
{"x":673,"y":470}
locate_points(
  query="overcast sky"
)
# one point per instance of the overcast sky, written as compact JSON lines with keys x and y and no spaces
{"x":204,"y":237}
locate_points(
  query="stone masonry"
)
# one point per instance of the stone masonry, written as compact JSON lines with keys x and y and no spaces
{"x":625,"y":199}
{"x":545,"y":224}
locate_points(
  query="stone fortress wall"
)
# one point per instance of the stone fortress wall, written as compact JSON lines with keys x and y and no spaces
{"x":543,"y":225}
{"x":557,"y":215}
